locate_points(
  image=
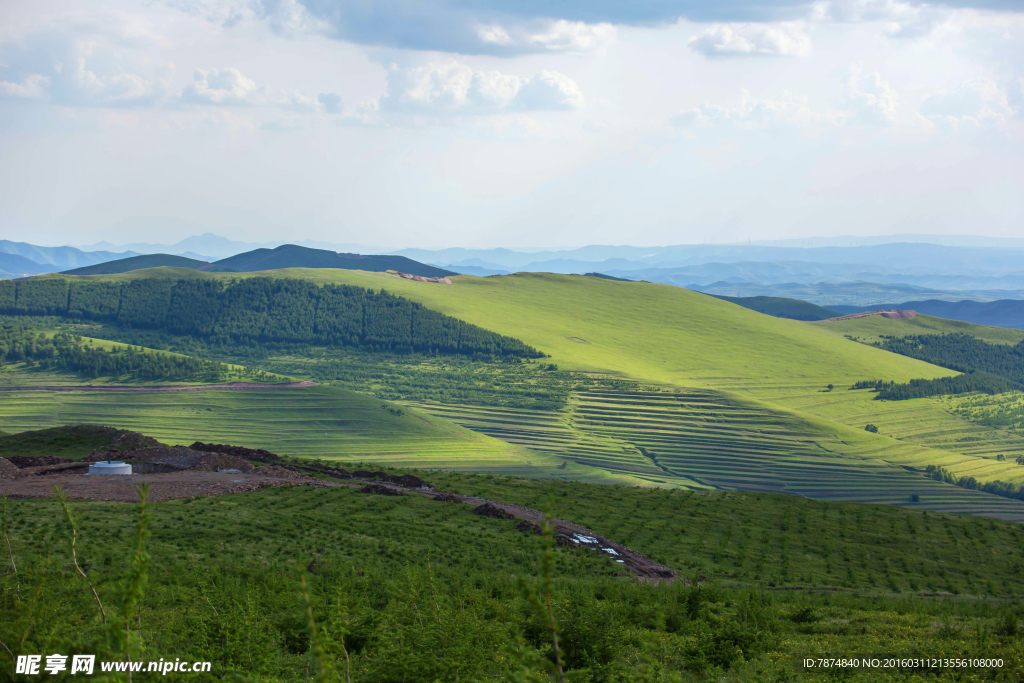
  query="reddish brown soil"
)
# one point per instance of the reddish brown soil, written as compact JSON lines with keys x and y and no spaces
{"x":423,"y":278}
{"x":233,"y":386}
{"x":894,"y":314}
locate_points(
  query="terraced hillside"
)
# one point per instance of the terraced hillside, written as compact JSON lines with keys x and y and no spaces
{"x":704,"y":439}
{"x":311,"y":422}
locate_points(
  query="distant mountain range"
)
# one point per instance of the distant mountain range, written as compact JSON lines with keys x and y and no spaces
{"x":830,"y":272}
{"x":858,"y":294}
{"x":40,"y":260}
{"x":284,"y":256}
{"x":211,"y":247}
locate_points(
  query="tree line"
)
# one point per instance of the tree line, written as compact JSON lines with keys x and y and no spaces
{"x":987,"y":368}
{"x":998,"y":488}
{"x":68,"y":352}
{"x":262,"y":309}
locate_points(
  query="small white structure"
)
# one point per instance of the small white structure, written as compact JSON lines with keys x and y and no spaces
{"x":110,"y":467}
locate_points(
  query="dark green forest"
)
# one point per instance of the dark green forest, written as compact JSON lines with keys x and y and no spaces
{"x":988,"y":368}
{"x":63,"y":351}
{"x":261,"y":310}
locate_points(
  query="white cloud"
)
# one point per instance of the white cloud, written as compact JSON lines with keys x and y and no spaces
{"x":550,"y":90}
{"x":101,"y":58}
{"x":223,"y":86}
{"x":32,"y":87}
{"x":972,"y":104}
{"x":458,"y":88}
{"x":898,"y":19}
{"x":749,"y":112}
{"x":494,"y":35}
{"x":746,"y":40}
{"x":869,"y":98}
{"x":573,"y":36}
{"x":230,"y":87}
{"x":548,"y":36}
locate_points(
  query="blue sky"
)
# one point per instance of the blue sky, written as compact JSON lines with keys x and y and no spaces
{"x":481,"y":123}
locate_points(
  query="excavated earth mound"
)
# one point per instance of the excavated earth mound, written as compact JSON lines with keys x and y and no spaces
{"x":23,"y":461}
{"x":257,"y":454}
{"x":382,"y":490}
{"x":488,"y":510}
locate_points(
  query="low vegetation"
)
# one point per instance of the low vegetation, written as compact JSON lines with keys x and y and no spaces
{"x":337,"y":585}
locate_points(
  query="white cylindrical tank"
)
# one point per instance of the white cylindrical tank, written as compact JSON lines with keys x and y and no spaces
{"x":111,"y":467}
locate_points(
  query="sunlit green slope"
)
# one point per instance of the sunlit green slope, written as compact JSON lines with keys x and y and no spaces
{"x":673,"y":337}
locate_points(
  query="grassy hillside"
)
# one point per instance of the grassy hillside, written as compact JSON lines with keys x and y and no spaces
{"x":136,"y":263}
{"x":424,"y":591}
{"x":665,"y":336}
{"x":657,"y":333}
{"x":872,"y":328}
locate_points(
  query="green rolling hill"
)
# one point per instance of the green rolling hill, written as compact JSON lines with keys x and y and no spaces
{"x":718,"y":395}
{"x":127,"y":265}
{"x":871,"y":328}
{"x":294,"y":256}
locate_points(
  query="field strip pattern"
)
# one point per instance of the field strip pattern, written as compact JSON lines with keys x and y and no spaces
{"x":929,"y":433}
{"x":702,"y":436}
